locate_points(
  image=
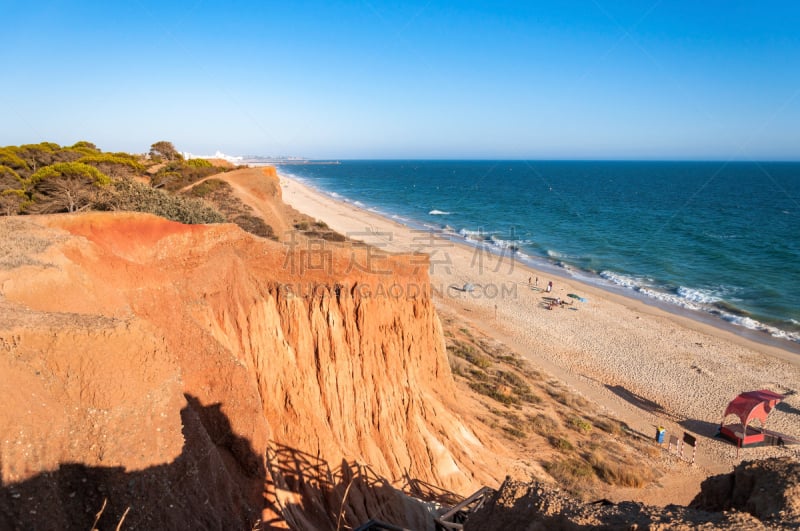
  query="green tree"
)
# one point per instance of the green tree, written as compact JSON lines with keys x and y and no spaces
{"x":165,"y":150}
{"x":38,"y":155}
{"x":113,"y":165}
{"x":65,"y":187}
{"x":12,"y":191}
{"x":10,"y":180}
{"x":11,"y":201}
{"x":83,"y":144}
{"x":9,"y":158}
{"x":66,"y":155}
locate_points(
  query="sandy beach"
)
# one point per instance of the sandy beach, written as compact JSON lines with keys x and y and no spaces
{"x":641,"y":364}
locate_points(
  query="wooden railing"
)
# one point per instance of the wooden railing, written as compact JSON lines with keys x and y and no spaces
{"x":453,"y":520}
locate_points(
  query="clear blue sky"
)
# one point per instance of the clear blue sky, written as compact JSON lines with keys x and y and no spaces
{"x":413,"y":79}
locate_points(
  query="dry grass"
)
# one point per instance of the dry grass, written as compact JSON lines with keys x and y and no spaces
{"x":17,"y":246}
{"x":616,"y":472}
{"x":586,"y":453}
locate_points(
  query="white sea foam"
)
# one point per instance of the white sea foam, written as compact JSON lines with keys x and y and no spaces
{"x":558,"y":255}
{"x":752,"y":324}
{"x":472,"y":234}
{"x":358,"y":204}
{"x":702,"y":300}
{"x":622,"y":280}
{"x":435,"y":212}
{"x":702,"y":296}
{"x":512,"y":245}
{"x":669,"y":298}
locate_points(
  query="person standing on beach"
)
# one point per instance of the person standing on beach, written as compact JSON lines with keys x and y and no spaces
{"x":549,"y":286}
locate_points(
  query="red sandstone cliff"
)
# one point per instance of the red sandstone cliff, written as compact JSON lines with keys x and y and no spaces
{"x":207,"y":379}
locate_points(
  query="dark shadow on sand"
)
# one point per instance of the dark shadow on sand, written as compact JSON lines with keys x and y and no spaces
{"x":219,"y":482}
{"x":349,"y":495}
{"x":215,"y":483}
{"x":701,"y":428}
{"x":641,"y":402}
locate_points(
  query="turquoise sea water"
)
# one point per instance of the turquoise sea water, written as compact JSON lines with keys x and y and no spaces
{"x":720,"y":239}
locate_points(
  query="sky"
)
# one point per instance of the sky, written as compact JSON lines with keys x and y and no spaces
{"x":596,"y":79}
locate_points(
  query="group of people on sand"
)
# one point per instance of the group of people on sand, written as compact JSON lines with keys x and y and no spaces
{"x":549,"y":287}
{"x":553,"y":302}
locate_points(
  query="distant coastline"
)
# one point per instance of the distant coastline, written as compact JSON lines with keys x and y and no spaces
{"x":291,"y":162}
{"x":258,"y":160}
{"x":525,"y":242}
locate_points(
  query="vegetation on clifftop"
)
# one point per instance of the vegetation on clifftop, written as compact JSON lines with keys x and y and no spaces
{"x":47,"y":178}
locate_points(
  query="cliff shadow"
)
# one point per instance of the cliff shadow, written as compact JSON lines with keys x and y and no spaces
{"x":641,"y":402}
{"x":215,"y":483}
{"x":703,"y":428}
{"x":311,"y":494}
{"x":786,"y":407}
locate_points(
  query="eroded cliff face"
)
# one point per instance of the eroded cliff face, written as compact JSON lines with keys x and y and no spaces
{"x":209,"y":379}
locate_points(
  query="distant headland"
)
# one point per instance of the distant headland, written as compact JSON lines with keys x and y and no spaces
{"x":257,"y":160}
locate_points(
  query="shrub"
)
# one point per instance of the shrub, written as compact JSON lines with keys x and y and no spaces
{"x":608,"y":425}
{"x":468,"y":352}
{"x":616,"y":473}
{"x":560,"y":443}
{"x":180,"y":173}
{"x":543,"y":425}
{"x":209,"y":186}
{"x":491,"y":391}
{"x":569,"y":471}
{"x":199,"y":163}
{"x":578,"y":424}
{"x":514,"y":432}
{"x":566,"y":398}
{"x":254,"y":225}
{"x":137,"y":197}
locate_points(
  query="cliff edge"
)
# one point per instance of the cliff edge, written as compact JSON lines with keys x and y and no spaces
{"x":199,"y":377}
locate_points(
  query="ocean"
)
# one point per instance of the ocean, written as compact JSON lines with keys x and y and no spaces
{"x":717,"y":240}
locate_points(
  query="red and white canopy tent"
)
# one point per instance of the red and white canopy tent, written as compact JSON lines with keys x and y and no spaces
{"x":749,"y":406}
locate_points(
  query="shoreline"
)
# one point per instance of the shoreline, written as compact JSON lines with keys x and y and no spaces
{"x":646,"y":366}
{"x":783,"y":348}
{"x":540,"y":265}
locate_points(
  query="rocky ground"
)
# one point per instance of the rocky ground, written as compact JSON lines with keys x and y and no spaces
{"x":756,"y":495}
